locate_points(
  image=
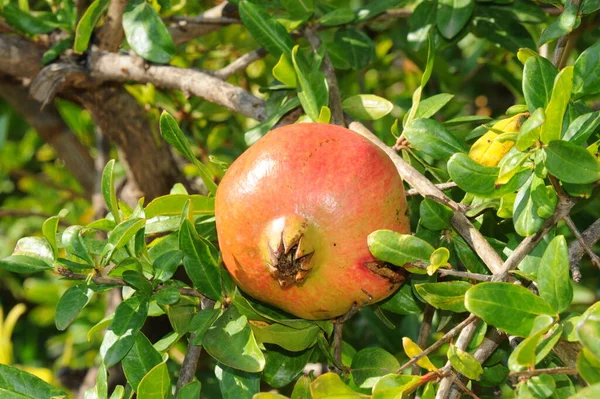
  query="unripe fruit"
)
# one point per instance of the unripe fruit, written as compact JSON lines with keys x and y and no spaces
{"x":293,"y":214}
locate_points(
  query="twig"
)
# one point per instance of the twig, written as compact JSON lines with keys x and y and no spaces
{"x":337,"y":343}
{"x":185,"y":30}
{"x":192,"y":355}
{"x":123,"y":68}
{"x":561,"y":44}
{"x":467,"y":275}
{"x":424,"y":332}
{"x":590,"y":236}
{"x":240,"y":63}
{"x":593,"y":257}
{"x":449,"y":335}
{"x":18,"y":213}
{"x":111,"y":33}
{"x":554,"y":370}
{"x":443,"y":186}
{"x":428,"y":190}
{"x":335,"y":100}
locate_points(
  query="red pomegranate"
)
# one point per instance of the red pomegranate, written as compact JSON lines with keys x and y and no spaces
{"x":293,"y":214}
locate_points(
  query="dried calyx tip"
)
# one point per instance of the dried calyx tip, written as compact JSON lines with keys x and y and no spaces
{"x":289,"y":264}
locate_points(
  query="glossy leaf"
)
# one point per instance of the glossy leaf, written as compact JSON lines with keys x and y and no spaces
{"x":330,"y":385}
{"x":508,"y":307}
{"x":585,"y":77}
{"x":464,"y":363}
{"x":580,"y":130}
{"x":434,"y":215}
{"x":538,"y":80}
{"x":49,"y":229}
{"x":588,"y":366}
{"x":403,"y":302}
{"x":542,"y":386}
{"x":370,"y":364}
{"x":452,"y":16}
{"x":367,"y":107}
{"x":265,"y":29}
{"x":231,"y":342}
{"x":530,"y":132}
{"x":172,"y":205}
{"x":356,"y":45}
{"x":398,"y":249}
{"x":338,"y":16}
{"x":236,"y":384}
{"x":140,"y":360}
{"x":432,"y":138}
{"x":554,"y":282}
{"x":588,"y":331}
{"x":201,"y":261}
{"x":395,"y":386}
{"x":70,"y":304}
{"x":299,"y":7}
{"x":282,"y":367}
{"x":288,"y":338}
{"x":525,"y":212}
{"x":284,"y":71}
{"x":563,"y":25}
{"x":312,"y":89}
{"x":23,"y":264}
{"x":18,"y":384}
{"x":166,"y":264}
{"x":571,"y":163}
{"x":421,"y":22}
{"x":170,"y":131}
{"x":190,"y":390}
{"x":449,"y":295}
{"x":412,"y":349}
{"x":25,"y":22}
{"x":87,"y":23}
{"x":373,"y":8}
{"x":156,"y":384}
{"x":561,"y":92}
{"x":431,"y":105}
{"x":108,"y":190}
{"x":146,"y":33}
{"x":201,"y":322}
{"x":500,"y":25}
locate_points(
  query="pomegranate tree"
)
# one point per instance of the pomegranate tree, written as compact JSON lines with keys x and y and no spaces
{"x":293,"y":214}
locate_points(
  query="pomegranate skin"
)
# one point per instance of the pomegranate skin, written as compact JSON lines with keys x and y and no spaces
{"x":326,"y":184}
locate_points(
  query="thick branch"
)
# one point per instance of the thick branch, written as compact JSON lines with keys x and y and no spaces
{"x":111,"y":33}
{"x":428,"y":190}
{"x":123,"y":68}
{"x":19,"y":57}
{"x":53,"y":130}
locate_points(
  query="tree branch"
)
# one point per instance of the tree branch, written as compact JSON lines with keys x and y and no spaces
{"x":590,"y":236}
{"x":19,"y":57}
{"x":184,"y":30}
{"x":554,"y":370}
{"x":240,"y":63}
{"x":428,"y":190}
{"x":582,"y":243}
{"x":123,"y":68}
{"x":443,"y":187}
{"x":561,"y":44}
{"x":111,"y":33}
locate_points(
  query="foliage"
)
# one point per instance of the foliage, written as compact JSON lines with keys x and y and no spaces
{"x":426,"y":76}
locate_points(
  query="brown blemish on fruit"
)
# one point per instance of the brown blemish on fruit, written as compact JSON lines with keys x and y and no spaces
{"x":382,"y":269}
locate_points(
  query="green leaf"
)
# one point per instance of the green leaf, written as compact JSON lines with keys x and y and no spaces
{"x":18,"y":384}
{"x":166,"y":265}
{"x":70,"y":304}
{"x":571,"y":163}
{"x":330,"y":385}
{"x":548,"y":342}
{"x":561,"y":92}
{"x":172,"y":205}
{"x":230,"y":341}
{"x":416,"y":97}
{"x":312,"y":89}
{"x":481,"y":180}
{"x":542,"y":386}
{"x":564,"y":24}
{"x":49,"y":229}
{"x":466,"y":255}
{"x":282,"y":367}
{"x":140,"y":360}
{"x":201,"y":322}
{"x":403,"y":302}
{"x":586,"y":80}
{"x":24,"y":21}
{"x":284,"y":71}
{"x":168,"y":296}
{"x":121,"y":334}
{"x":580,"y":130}
{"x":357,"y":47}
{"x":299,"y":8}
{"x":375,"y":7}
{"x":395,"y":386}
{"x":554,"y":282}
{"x":588,"y":366}
{"x":370,"y":364}
{"x":254,"y":134}
{"x":524,"y":355}
{"x":201,"y":261}
{"x":87,"y":23}
{"x":589,"y":6}
{"x":449,"y":295}
{"x":398,"y":249}
{"x":108,"y":190}
{"x":120,"y":236}
{"x":265,"y":29}
{"x":338,"y":16}
{"x":432,"y":138}
{"x":501,"y":25}
{"x":190,"y":391}
{"x":367,"y":107}
{"x":538,"y":80}
{"x":544,"y":197}
{"x":421,"y":22}
{"x":434,"y":215}
{"x":156,"y":384}
{"x":302,"y":388}
{"x":525,"y":212}
{"x":291,"y":339}
{"x":23,"y":264}
{"x":35,"y":247}
{"x":170,"y":131}
{"x":453,"y":15}
{"x":430,"y":106}
{"x":506,"y":306}
{"x":236,"y":384}
{"x":593,"y":391}
{"x":57,"y":49}
{"x":588,"y":331}
{"x":146,"y":33}
{"x":529,"y":133}
{"x":464,"y":363}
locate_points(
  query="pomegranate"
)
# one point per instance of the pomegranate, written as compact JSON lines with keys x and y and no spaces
{"x":293,"y":214}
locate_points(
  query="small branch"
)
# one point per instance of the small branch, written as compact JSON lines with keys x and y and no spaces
{"x":554,"y":370}
{"x":123,"y":68}
{"x":467,"y":275}
{"x":428,"y":190}
{"x":335,"y":100}
{"x":111,"y":33}
{"x":561,"y":44}
{"x":447,"y":337}
{"x":337,"y":343}
{"x":443,"y":186}
{"x":593,"y":257}
{"x":576,"y":250}
{"x":185,"y":30}
{"x":240,"y":63}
